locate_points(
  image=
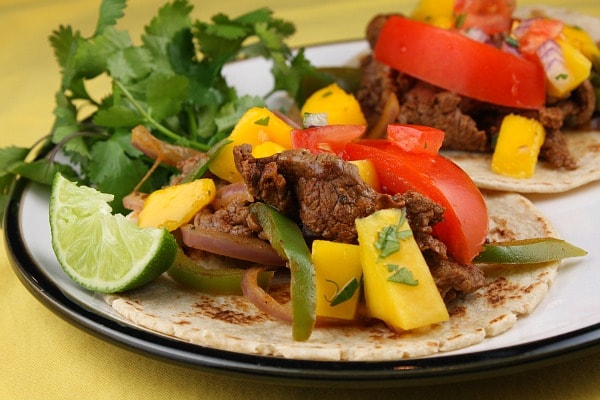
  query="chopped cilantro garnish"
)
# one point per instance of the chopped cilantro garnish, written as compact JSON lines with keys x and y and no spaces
{"x":390,"y":237}
{"x":345,"y":293}
{"x":401,"y":275}
{"x":263,"y":121}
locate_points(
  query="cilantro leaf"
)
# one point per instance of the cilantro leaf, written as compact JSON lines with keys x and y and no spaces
{"x":166,"y":95}
{"x":346,"y":293}
{"x":389,"y":237}
{"x":130,"y":64}
{"x":110,"y":12}
{"x":113,"y":171}
{"x":401,"y":275}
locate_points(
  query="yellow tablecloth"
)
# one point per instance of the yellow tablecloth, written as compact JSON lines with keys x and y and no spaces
{"x":43,"y":356}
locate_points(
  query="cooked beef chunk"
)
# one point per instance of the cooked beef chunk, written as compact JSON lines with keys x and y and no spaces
{"x":555,"y":150}
{"x":325,"y":193}
{"x":425,"y":104}
{"x":377,"y":84}
{"x":453,"y":279}
{"x":235,"y":218}
{"x":469,"y":124}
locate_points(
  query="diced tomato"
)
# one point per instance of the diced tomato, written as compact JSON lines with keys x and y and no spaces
{"x":465,"y":224}
{"x":491,"y":16}
{"x":416,"y":139}
{"x":532,"y":33}
{"x":452,"y":61}
{"x":327,"y":138}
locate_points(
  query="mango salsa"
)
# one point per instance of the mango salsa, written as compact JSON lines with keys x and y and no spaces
{"x":398,"y":285}
{"x":518,"y":146}
{"x":338,"y":274}
{"x":258,"y":125}
{"x":176,"y":205}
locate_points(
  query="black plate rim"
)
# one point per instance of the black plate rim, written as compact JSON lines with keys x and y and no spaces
{"x":405,"y":372}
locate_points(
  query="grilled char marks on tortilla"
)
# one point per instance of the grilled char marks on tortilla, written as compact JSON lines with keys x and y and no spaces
{"x":470,"y":125}
{"x":326,"y":194}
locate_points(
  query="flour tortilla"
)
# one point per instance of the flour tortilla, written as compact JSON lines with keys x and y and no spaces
{"x":232,"y":323}
{"x":584,"y":145}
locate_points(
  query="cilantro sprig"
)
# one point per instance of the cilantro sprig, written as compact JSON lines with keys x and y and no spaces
{"x":172,"y":83}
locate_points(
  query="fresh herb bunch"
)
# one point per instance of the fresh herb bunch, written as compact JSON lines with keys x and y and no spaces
{"x":172,"y":83}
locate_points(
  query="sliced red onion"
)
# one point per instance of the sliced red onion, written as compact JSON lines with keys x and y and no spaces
{"x":226,"y":244}
{"x":287,"y":120}
{"x":477,"y":34}
{"x":553,"y":61}
{"x":234,"y":192}
{"x":261,"y":299}
{"x":134,"y":201}
{"x":389,"y":114}
{"x":156,"y":149}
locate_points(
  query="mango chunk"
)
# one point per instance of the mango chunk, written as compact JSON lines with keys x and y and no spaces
{"x":582,"y":41}
{"x":267,"y":149}
{"x":338,"y":274}
{"x":176,"y":205}
{"x":398,"y":285}
{"x":341,"y":108}
{"x":258,"y":125}
{"x":368,"y":173}
{"x":578,"y":66}
{"x":435,"y":12}
{"x":518,"y":146}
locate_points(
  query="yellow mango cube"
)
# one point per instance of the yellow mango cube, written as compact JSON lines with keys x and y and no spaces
{"x":341,"y":108}
{"x":338,"y":274}
{"x":581,"y":40}
{"x":398,"y":286}
{"x":176,"y":205}
{"x":435,"y":12}
{"x":518,"y":146}
{"x":267,"y":149}
{"x":257,"y":125}
{"x":579,"y":68}
{"x":368,"y":173}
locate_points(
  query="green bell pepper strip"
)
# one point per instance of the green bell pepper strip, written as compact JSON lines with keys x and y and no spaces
{"x":201,"y":166}
{"x":222,"y":281}
{"x":528,"y":251}
{"x":286,"y":238}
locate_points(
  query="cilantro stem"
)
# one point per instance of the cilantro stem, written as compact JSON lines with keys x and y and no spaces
{"x":163,"y":129}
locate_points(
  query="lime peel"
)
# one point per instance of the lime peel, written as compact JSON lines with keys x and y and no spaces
{"x":98,"y":250}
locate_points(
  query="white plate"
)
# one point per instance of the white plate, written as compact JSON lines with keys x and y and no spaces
{"x":567,"y":322}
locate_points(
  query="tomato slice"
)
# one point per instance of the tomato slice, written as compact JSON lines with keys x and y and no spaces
{"x":465,"y":225}
{"x":450,"y":60}
{"x":327,"y":138}
{"x":416,"y":139}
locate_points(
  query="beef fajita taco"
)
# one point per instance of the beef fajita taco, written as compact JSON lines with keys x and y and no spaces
{"x":232,"y":322}
{"x":326,"y":196}
{"x":535,"y":51}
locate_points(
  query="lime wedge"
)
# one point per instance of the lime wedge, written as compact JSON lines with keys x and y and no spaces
{"x":98,"y":250}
